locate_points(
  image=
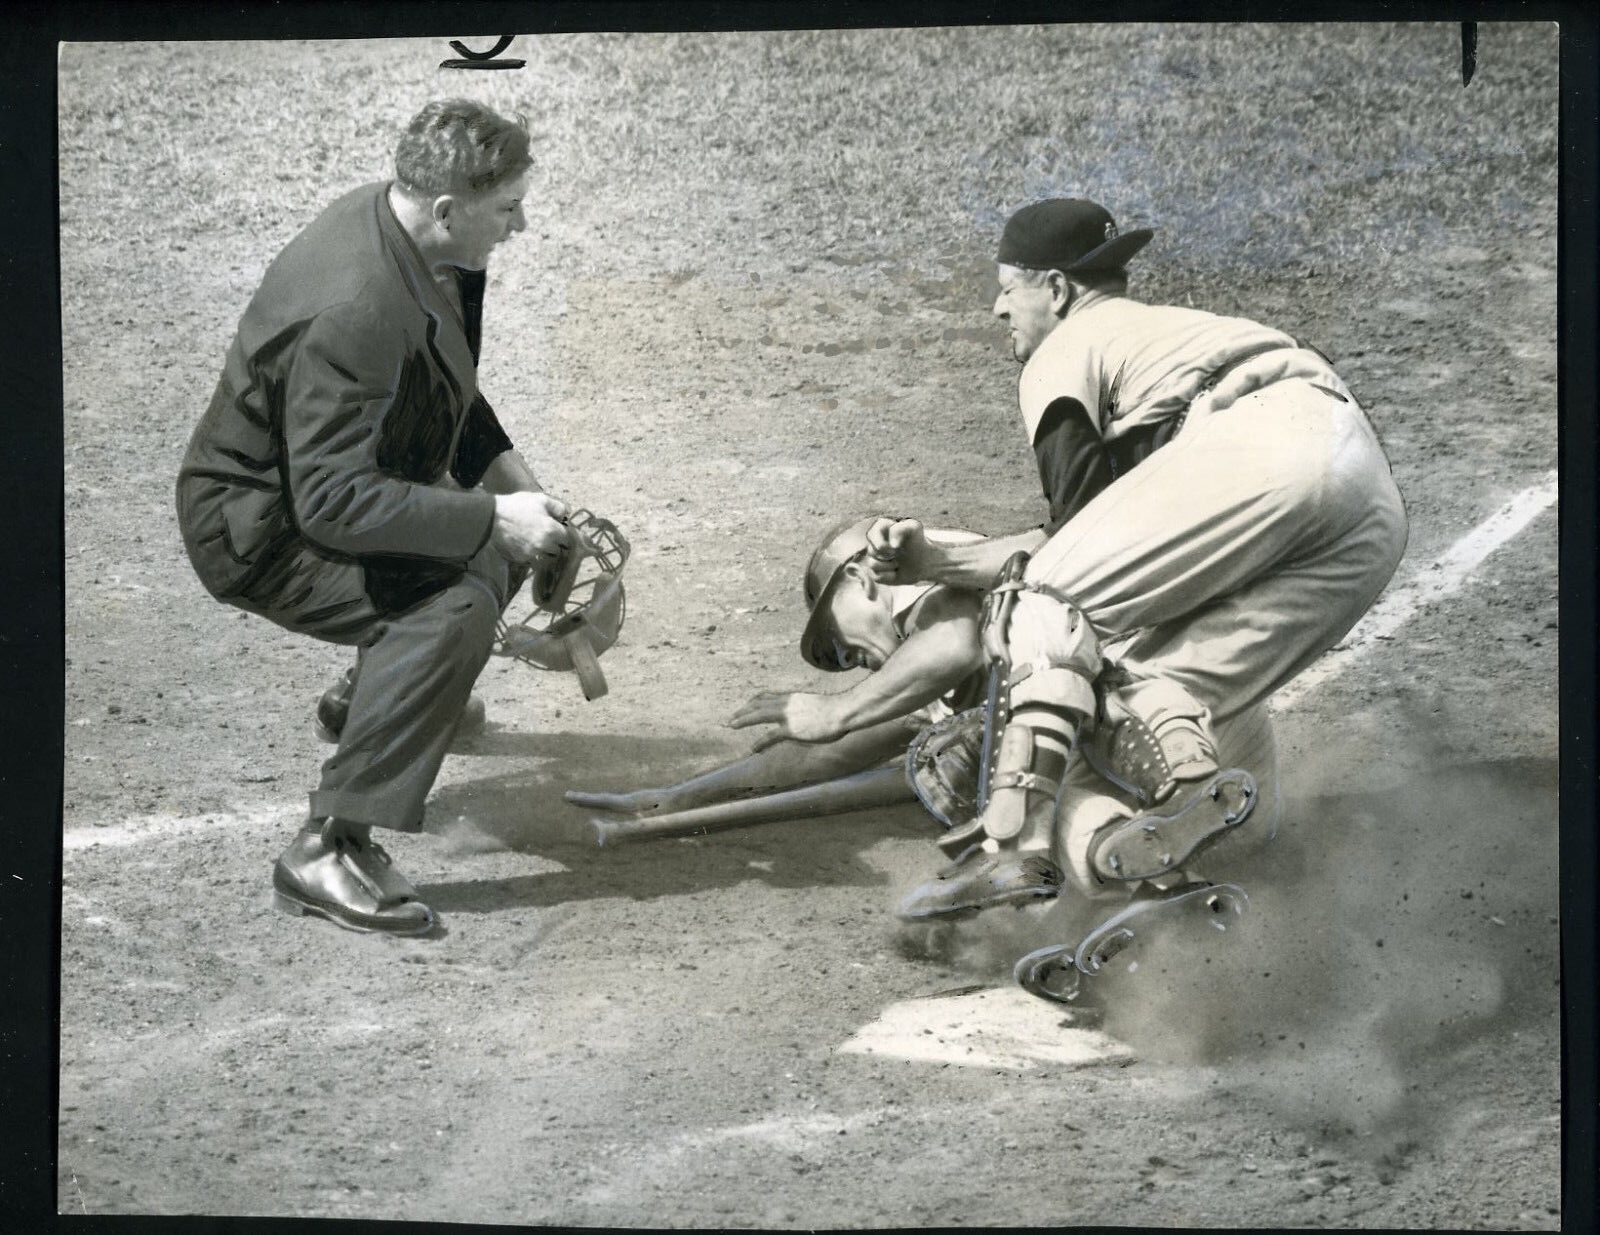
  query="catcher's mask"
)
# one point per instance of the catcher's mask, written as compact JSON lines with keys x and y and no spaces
{"x":577,"y":605}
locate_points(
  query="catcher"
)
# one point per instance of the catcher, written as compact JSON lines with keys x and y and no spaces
{"x":912,"y":729}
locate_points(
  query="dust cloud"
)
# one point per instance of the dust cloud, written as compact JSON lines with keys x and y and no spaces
{"x":1399,"y":917}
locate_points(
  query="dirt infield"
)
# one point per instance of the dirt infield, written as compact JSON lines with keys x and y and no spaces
{"x":753,"y":298}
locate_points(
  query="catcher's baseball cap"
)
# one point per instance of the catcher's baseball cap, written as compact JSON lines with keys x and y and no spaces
{"x":845,"y":543}
{"x":1067,"y":234}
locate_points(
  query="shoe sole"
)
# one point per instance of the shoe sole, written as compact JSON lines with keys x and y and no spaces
{"x":287,"y":902}
{"x":1219,"y":902}
{"x":1148,"y":845}
{"x":1018,"y":898}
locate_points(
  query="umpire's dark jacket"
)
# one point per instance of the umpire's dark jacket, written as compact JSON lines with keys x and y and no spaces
{"x":347,"y":408}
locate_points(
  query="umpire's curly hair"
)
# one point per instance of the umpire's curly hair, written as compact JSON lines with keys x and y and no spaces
{"x":459,"y":146}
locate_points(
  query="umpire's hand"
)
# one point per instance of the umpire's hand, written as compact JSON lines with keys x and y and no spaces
{"x":529,"y":525}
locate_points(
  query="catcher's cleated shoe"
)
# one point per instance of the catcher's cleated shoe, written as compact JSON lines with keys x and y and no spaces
{"x":333,"y":709}
{"x":1160,"y":840}
{"x":335,"y":870}
{"x":1051,"y":973}
{"x":1213,"y":905}
{"x":982,"y":880}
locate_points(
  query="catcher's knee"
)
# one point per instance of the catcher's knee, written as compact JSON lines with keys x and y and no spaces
{"x":1054,"y":655}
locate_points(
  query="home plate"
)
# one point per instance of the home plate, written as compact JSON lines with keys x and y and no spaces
{"x":997,"y":1027}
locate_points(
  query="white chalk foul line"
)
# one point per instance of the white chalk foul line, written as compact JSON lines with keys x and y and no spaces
{"x":79,"y":837}
{"x":1437,"y":581}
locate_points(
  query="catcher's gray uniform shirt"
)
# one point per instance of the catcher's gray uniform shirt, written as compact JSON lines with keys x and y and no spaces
{"x":1132,"y":364}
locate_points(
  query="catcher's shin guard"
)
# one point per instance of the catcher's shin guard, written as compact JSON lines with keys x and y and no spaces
{"x":1029,"y":768}
{"x":1154,"y":735}
{"x":1048,"y":698}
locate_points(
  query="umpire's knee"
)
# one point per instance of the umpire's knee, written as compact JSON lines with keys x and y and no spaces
{"x":471,"y":615}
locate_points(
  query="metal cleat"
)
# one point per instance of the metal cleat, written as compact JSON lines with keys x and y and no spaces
{"x":1215,"y":905}
{"x":1160,"y":840}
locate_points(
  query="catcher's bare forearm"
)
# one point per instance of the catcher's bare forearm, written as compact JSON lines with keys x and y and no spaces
{"x":975,"y":566}
{"x":885,"y":786}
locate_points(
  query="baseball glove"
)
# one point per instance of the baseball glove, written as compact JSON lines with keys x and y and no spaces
{"x":942,"y":767}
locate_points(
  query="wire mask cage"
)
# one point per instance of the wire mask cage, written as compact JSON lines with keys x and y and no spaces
{"x":578,"y":605}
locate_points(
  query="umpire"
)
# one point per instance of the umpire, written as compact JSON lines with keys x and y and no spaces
{"x":349,"y":482}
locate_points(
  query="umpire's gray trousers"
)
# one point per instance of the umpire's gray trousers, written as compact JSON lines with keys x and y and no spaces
{"x":416,"y":674}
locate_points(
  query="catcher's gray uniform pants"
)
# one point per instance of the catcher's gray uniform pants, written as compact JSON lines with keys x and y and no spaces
{"x":417,"y":671}
{"x":1228,"y":561}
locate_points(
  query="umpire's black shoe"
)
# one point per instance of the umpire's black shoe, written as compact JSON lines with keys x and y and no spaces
{"x":981,"y":880}
{"x":335,"y":870}
{"x":333,"y":709}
